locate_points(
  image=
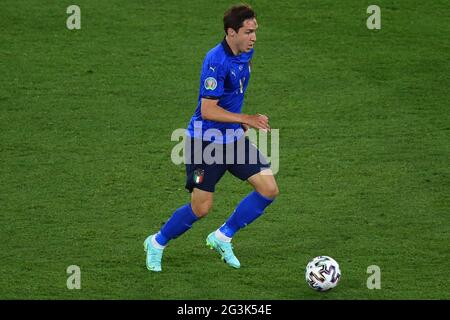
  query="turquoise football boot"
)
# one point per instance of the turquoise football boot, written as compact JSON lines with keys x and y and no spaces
{"x":225,"y":249}
{"x":154,"y":255}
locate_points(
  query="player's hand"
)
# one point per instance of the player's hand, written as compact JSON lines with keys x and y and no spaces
{"x":258,"y":121}
{"x":244,"y":127}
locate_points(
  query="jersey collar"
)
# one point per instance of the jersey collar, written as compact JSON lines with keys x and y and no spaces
{"x":227,"y":48}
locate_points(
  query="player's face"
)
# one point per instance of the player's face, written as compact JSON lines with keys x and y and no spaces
{"x":246,"y":37}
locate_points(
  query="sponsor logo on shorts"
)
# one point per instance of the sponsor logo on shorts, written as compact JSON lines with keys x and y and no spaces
{"x":198,"y":176}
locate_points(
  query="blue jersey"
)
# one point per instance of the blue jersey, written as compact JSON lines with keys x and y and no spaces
{"x":224,"y":77}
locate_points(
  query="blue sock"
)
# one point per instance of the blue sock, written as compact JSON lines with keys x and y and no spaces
{"x":181,"y":221}
{"x":250,"y":208}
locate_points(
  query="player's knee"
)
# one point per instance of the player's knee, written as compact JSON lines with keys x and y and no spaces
{"x":270,"y":191}
{"x":201,"y":208}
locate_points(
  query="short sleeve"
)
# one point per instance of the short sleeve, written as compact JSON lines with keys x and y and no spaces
{"x":212,"y":80}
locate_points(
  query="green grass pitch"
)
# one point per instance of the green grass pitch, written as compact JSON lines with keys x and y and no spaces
{"x":86,"y":118}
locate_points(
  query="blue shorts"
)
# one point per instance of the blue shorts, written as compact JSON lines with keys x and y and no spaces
{"x":207,"y":162}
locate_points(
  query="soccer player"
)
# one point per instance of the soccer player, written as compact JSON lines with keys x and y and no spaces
{"x":219,"y":124}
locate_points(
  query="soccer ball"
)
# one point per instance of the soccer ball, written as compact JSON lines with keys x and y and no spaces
{"x":322,"y":273}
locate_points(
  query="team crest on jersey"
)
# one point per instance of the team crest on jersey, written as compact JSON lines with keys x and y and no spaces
{"x":210,"y":83}
{"x":198,"y":176}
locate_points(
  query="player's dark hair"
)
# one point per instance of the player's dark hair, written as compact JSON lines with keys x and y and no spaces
{"x":235,"y":16}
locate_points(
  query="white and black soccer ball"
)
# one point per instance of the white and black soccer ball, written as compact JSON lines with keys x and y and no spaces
{"x":322,"y":273}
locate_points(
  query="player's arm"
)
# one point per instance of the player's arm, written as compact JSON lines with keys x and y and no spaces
{"x":212,"y":111}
